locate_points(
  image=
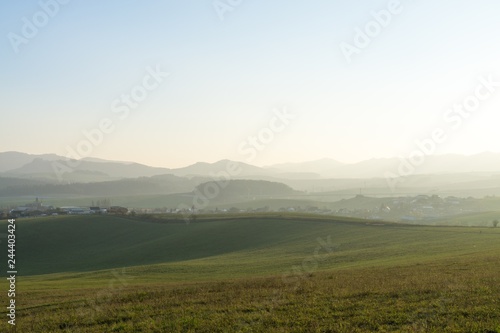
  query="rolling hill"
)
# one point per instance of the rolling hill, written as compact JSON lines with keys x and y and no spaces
{"x":238,"y":190}
{"x":230,"y":245}
{"x":253,"y":273}
{"x":233,"y":190}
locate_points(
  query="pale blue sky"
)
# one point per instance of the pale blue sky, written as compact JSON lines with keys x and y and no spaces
{"x":227,"y":76}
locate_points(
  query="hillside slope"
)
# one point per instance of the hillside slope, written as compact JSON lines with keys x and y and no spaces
{"x":231,"y":247}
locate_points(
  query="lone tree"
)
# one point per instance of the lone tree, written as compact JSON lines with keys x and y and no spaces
{"x":495,"y":223}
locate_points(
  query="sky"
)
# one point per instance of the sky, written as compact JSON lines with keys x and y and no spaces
{"x":171,"y":83}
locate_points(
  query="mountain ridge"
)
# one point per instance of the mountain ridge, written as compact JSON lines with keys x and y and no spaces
{"x":18,"y":164}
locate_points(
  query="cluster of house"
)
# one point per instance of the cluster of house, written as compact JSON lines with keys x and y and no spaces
{"x":37,"y":208}
{"x":417,"y":208}
{"x":31,"y":209}
{"x":407,"y":209}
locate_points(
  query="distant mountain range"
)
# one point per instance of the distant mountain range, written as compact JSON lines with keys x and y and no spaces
{"x":49,"y":174}
{"x":48,"y":166}
{"x":14,"y":160}
{"x":375,"y":168}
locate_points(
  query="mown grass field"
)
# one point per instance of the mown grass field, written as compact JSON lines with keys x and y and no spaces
{"x":262,"y":273}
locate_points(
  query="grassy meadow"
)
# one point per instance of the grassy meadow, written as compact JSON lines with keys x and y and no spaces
{"x":252,"y":273}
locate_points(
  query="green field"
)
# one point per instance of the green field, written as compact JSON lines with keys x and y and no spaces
{"x":472,"y":219}
{"x":252,"y":273}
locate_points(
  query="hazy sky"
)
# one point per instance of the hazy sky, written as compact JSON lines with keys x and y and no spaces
{"x":78,"y":66}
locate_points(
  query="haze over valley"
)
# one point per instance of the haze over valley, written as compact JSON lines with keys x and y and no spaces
{"x":449,"y":186}
{"x":249,"y":166}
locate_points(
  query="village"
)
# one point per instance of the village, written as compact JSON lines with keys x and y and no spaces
{"x":409,"y":209}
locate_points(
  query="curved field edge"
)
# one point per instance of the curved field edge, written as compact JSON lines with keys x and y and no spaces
{"x":378,"y":277}
{"x":236,"y":246}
